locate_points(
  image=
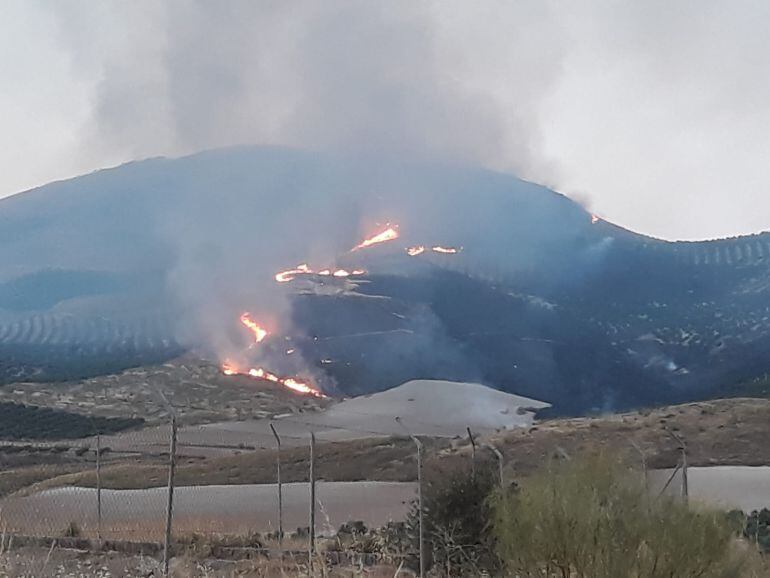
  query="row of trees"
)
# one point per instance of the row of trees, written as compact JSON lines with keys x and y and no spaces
{"x":589,"y":518}
{"x":19,"y":421}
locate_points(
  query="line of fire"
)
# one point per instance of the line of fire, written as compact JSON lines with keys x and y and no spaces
{"x":259,"y":333}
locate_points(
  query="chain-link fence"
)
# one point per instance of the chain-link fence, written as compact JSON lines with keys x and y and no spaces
{"x":239,"y":489}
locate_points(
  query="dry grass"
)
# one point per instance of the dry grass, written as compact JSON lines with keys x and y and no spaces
{"x":61,"y":562}
{"x":381,"y":459}
{"x":36,"y":562}
{"x":721,"y":432}
{"x":15,"y":479}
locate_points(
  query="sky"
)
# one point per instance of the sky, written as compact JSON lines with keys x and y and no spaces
{"x":654,"y":115}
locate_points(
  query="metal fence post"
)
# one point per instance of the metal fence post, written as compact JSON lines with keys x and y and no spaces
{"x":99,"y":488}
{"x":311,"y":541}
{"x":682,"y":448}
{"x":419,"y":503}
{"x":643,"y":458}
{"x":473,"y":452}
{"x":280,"y":493}
{"x":170,"y":503}
{"x":420,"y":509}
{"x":500,"y":463}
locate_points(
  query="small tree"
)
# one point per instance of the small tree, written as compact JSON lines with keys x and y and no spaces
{"x":457,"y":518}
{"x":592,"y":517}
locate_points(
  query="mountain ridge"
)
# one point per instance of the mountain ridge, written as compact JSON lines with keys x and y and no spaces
{"x":630,"y":319}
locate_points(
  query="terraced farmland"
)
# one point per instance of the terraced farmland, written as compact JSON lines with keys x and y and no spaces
{"x":51,"y":346}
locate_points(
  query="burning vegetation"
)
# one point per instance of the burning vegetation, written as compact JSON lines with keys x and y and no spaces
{"x":420,"y":249}
{"x":259,"y":333}
{"x":304,"y":269}
{"x":389,"y":234}
{"x":445,"y":250}
{"x":293,"y":383}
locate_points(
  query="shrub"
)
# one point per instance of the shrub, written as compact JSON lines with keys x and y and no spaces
{"x":72,"y":530}
{"x":592,"y":517}
{"x":758,"y":528}
{"x":457,"y":519}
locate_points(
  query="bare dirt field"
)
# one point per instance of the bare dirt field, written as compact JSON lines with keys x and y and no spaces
{"x":725,"y":487}
{"x":427,"y":408}
{"x":244,"y":509}
{"x":721,"y":432}
{"x":238,"y":510}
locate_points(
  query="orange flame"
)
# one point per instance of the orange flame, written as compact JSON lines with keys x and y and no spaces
{"x":388,"y":234}
{"x":445,"y":250}
{"x":301,"y":387}
{"x":416,"y":250}
{"x":229,"y":369}
{"x":304,"y":269}
{"x":259,"y":332}
{"x":289,"y":274}
{"x":288,"y":382}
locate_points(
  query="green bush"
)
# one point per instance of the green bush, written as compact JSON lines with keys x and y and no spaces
{"x":757,"y":528}
{"x":457,"y":516}
{"x":592,"y":518}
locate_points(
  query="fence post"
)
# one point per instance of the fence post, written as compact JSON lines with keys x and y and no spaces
{"x":685,"y":481}
{"x":420,"y":509}
{"x":500,"y":463}
{"x":645,"y":471}
{"x":170,"y":503}
{"x":473,"y":452}
{"x":280,"y":493}
{"x":99,"y":488}
{"x":683,"y":449}
{"x":311,"y":532}
{"x":419,"y":504}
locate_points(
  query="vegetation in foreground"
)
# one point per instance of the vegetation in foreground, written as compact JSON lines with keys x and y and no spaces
{"x":590,"y":517}
{"x":594,"y":518}
{"x":587,"y":517}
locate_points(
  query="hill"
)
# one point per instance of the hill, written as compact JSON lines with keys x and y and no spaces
{"x":136,"y":264}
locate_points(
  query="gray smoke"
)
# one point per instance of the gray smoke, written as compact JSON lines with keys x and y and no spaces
{"x":648,"y":111}
{"x":393,"y":79}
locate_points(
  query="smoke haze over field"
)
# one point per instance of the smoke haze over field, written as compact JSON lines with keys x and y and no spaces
{"x":654,"y":114}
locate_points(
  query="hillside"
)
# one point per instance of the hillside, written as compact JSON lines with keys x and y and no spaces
{"x":722,"y":432}
{"x":134,"y":265}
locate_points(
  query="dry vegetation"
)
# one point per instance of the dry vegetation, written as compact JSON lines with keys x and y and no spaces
{"x":593,"y":517}
{"x":66,"y":562}
{"x":720,"y":432}
{"x":197,"y":388}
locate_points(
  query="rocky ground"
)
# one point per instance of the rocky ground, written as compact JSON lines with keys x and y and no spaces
{"x":197,"y":389}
